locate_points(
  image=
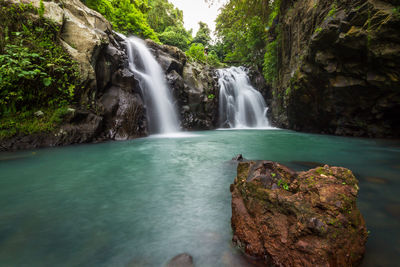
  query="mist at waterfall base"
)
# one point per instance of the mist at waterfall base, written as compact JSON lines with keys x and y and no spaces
{"x":241,"y":106}
{"x":141,"y":202}
{"x":161,"y":112}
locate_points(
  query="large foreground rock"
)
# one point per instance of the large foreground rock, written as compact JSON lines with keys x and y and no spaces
{"x":297,"y":219}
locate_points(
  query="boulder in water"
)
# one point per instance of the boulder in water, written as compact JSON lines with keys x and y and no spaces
{"x":181,"y":260}
{"x":292,"y":218}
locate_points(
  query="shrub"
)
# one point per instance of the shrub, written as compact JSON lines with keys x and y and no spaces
{"x":213,"y":60}
{"x":196,"y":53}
{"x":35,"y":71}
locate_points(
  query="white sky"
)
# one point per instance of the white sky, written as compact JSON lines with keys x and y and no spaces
{"x":198,"y":10}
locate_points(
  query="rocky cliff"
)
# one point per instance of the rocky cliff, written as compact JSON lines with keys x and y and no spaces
{"x":110,"y":104}
{"x":338,"y":67}
{"x":193,"y":85}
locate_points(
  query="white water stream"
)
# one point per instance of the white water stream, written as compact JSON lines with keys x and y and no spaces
{"x":161,"y":113}
{"x":240,"y":105}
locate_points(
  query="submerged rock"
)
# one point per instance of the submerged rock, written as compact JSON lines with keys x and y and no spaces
{"x":181,"y":260}
{"x":292,"y":218}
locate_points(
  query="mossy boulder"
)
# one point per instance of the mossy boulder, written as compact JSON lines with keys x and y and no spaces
{"x":292,"y":218}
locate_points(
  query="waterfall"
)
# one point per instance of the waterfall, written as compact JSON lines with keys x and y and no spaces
{"x":240,"y":105}
{"x":161,"y":113}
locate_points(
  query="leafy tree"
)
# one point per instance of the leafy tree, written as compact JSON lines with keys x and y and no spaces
{"x":128,"y":19}
{"x":213,"y":60}
{"x":242,"y":28}
{"x":176,"y":36}
{"x":126,"y":16}
{"x":167,"y":21}
{"x":196,"y":53}
{"x":102,"y":6}
{"x":203,"y":34}
{"x":163,"y":14}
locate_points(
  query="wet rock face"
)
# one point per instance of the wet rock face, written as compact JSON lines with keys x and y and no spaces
{"x":293,"y":218}
{"x":339,"y":68}
{"x":194,"y":87}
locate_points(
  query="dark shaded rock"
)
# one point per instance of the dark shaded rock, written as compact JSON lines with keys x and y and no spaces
{"x":125,"y":116}
{"x":82,"y":127}
{"x":339,"y":68}
{"x":181,"y":260}
{"x":292,"y":218}
{"x":238,"y":157}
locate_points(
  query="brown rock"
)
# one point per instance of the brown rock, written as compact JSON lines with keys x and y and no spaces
{"x":297,"y":219}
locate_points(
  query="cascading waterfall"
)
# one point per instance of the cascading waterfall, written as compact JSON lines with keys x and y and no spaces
{"x":161,"y":114}
{"x":240,"y":105}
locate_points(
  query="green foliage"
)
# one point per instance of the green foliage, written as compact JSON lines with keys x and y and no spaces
{"x":332,"y":12}
{"x":275,"y":12}
{"x":41,"y":8}
{"x":213,"y":60}
{"x":211,"y":96}
{"x":242,"y":27}
{"x":163,"y":14}
{"x":288,"y":90}
{"x":283,"y":184}
{"x":270,"y":66}
{"x":218,"y":48}
{"x":127,"y":17}
{"x":176,"y":36}
{"x":318,"y":29}
{"x":27,"y":123}
{"x":35,"y":71}
{"x":396,"y":11}
{"x":102,"y":6}
{"x":203,"y":34}
{"x":196,"y":53}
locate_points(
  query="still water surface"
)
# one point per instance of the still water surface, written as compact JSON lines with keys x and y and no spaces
{"x":141,"y":202}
